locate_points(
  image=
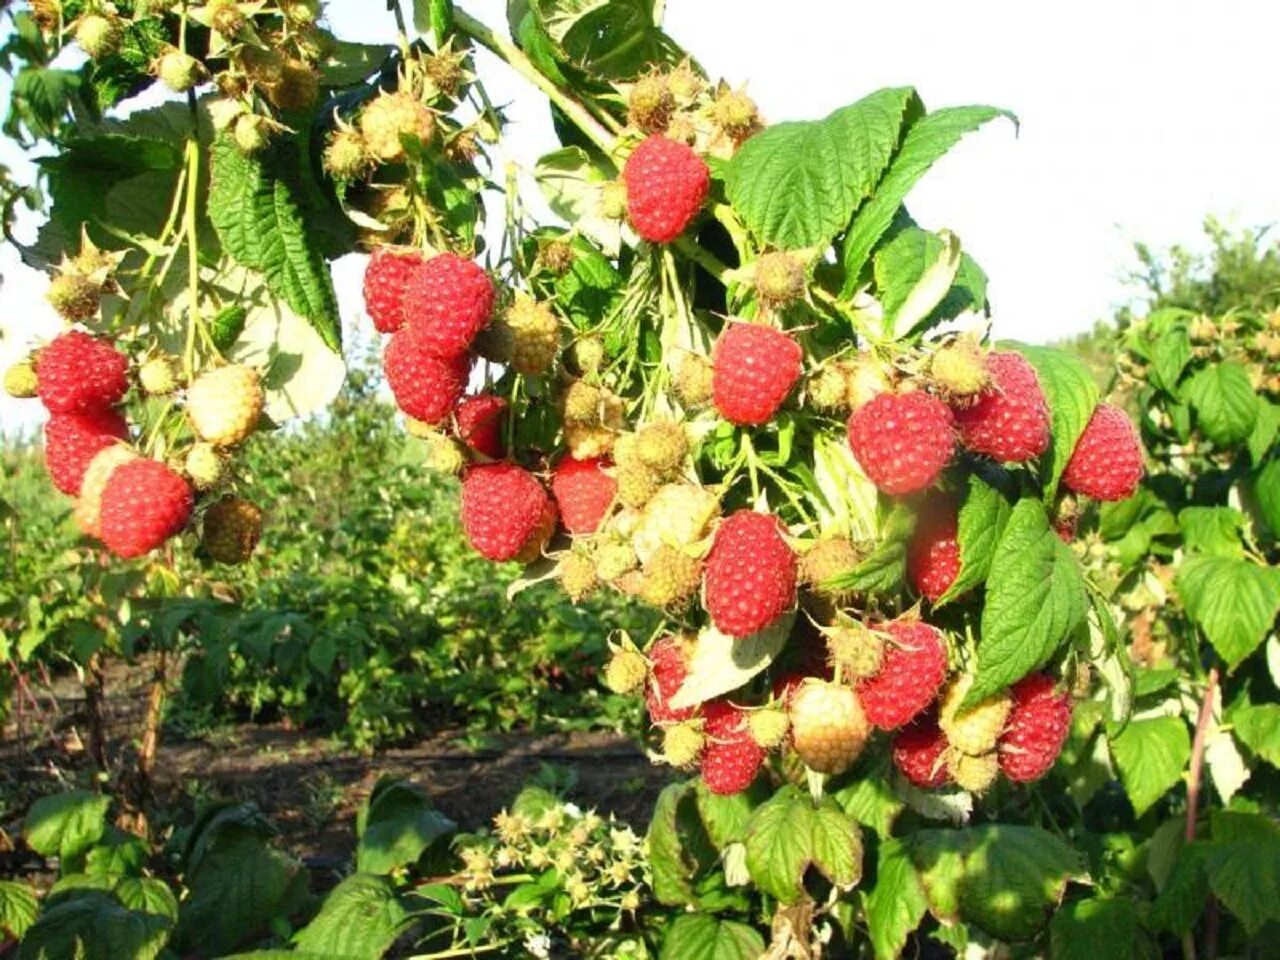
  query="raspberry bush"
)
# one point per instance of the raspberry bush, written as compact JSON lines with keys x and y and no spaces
{"x":736,"y":382}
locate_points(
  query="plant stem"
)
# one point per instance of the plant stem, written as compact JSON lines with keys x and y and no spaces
{"x":1197,"y":752}
{"x":462,"y":951}
{"x":509,"y":53}
{"x":193,"y":255}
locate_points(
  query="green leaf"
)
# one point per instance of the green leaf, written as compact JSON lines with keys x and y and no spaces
{"x":1035,"y":601}
{"x":1243,"y":865}
{"x":434,"y":18}
{"x":1013,"y":879}
{"x":1150,"y":755}
{"x":1234,"y":601}
{"x":1169,"y":356}
{"x":720,"y":663}
{"x":18,"y":908}
{"x":837,"y":844}
{"x":896,"y":904}
{"x":93,"y":925}
{"x":871,"y":800}
{"x":396,"y":826}
{"x":1182,"y":896}
{"x":347,"y":64}
{"x":1266,"y":488}
{"x":796,"y":184}
{"x":982,"y":519}
{"x":1212,"y":530}
{"x":359,"y":920}
{"x":925,"y":142}
{"x":65,"y":825}
{"x":700,"y":936}
{"x":1096,"y":929}
{"x":913,"y":273}
{"x":149,"y":895}
{"x":884,"y":570}
{"x":780,"y":844}
{"x":1225,"y":404}
{"x":117,"y":853}
{"x":1265,"y":430}
{"x":679,"y":849}
{"x":613,"y":39}
{"x":1258,"y":727}
{"x":725,"y":816}
{"x":1071,"y":395}
{"x":256,"y":210}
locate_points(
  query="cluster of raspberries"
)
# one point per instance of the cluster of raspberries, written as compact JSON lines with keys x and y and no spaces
{"x":132,"y":504}
{"x":825,"y":725}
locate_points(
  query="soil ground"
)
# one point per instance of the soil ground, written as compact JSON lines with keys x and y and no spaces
{"x":306,"y":783}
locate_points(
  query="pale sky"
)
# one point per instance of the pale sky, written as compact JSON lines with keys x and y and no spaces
{"x":1137,"y":119}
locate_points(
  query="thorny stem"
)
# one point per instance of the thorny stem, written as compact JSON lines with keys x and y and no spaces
{"x":505,"y":50}
{"x":1203,"y":721}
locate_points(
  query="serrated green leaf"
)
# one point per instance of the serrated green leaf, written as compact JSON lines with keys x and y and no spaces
{"x":18,"y":908}
{"x":1234,"y":601}
{"x":1095,"y":929}
{"x":1013,"y":879}
{"x":66,"y":825}
{"x":1214,"y":531}
{"x":359,"y":920}
{"x":700,"y":936}
{"x":93,"y":925}
{"x":725,"y":816}
{"x":614,"y":39}
{"x":1225,"y":404}
{"x":884,"y":570}
{"x":870,"y":799}
{"x":1243,"y":865}
{"x":1184,"y":892}
{"x":396,"y":826}
{"x":837,"y":844}
{"x":1265,"y":430}
{"x":1257,"y":725}
{"x":780,"y":844}
{"x":147,"y":895}
{"x":1169,"y":356}
{"x":925,"y":142}
{"x":796,"y":184}
{"x":896,"y":904}
{"x":116,"y":853}
{"x":679,"y":848}
{"x":1035,"y":601}
{"x":1266,"y":489}
{"x":1150,"y":755}
{"x":982,"y":519}
{"x":434,"y":18}
{"x":1071,"y":395}
{"x":257,"y":213}
{"x":913,"y":273}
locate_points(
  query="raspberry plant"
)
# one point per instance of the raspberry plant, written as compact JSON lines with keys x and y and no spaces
{"x":736,"y":382}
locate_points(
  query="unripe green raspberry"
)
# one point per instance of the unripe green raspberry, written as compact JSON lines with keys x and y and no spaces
{"x":99,"y":36}
{"x":975,"y":774}
{"x":297,"y":88}
{"x":769,"y":726}
{"x":827,"y":558}
{"x":682,"y":743}
{"x":613,"y":200}
{"x":865,"y":380}
{"x":20,"y":380}
{"x":159,"y":376}
{"x":693,"y":380}
{"x":587,"y":354}
{"x":614,"y":560}
{"x":684,"y":82}
{"x":74,"y":296}
{"x":225,"y":17}
{"x":445,"y":455}
{"x":251,"y":133}
{"x":736,"y":114}
{"x":650,"y":104}
{"x":662,"y":446}
{"x":577,"y":576}
{"x":958,"y":370}
{"x":231,"y":530}
{"x":855,"y":649}
{"x":391,"y":116}
{"x":779,"y":278}
{"x":534,"y":334}
{"x":225,"y":403}
{"x":626,"y":670}
{"x":1203,"y":330}
{"x":204,"y":465}
{"x":670,"y":578}
{"x":637,"y":483}
{"x":828,"y":390}
{"x":346,"y":157}
{"x":557,"y":256}
{"x":828,"y":727}
{"x":178,"y":71}
{"x":976,"y":730}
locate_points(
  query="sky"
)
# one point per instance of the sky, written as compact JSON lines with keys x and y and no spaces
{"x":1136,"y":120}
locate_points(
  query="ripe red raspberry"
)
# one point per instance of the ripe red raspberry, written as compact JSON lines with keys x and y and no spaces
{"x":902,"y":441}
{"x":71,"y":440}
{"x":1107,"y":461}
{"x":917,"y":752}
{"x":144,"y":503}
{"x":912,"y":670}
{"x":479,"y":423}
{"x":731,"y":758}
{"x":1009,"y":421}
{"x":933,"y":558}
{"x":425,"y":387}
{"x":1036,"y":730}
{"x":385,"y":279}
{"x":753,"y":369}
{"x":751,"y":573}
{"x":77,"y":372}
{"x":666,"y":185}
{"x":668,"y":667}
{"x":447,"y":301}
{"x":583,"y":492}
{"x":503,"y":509}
